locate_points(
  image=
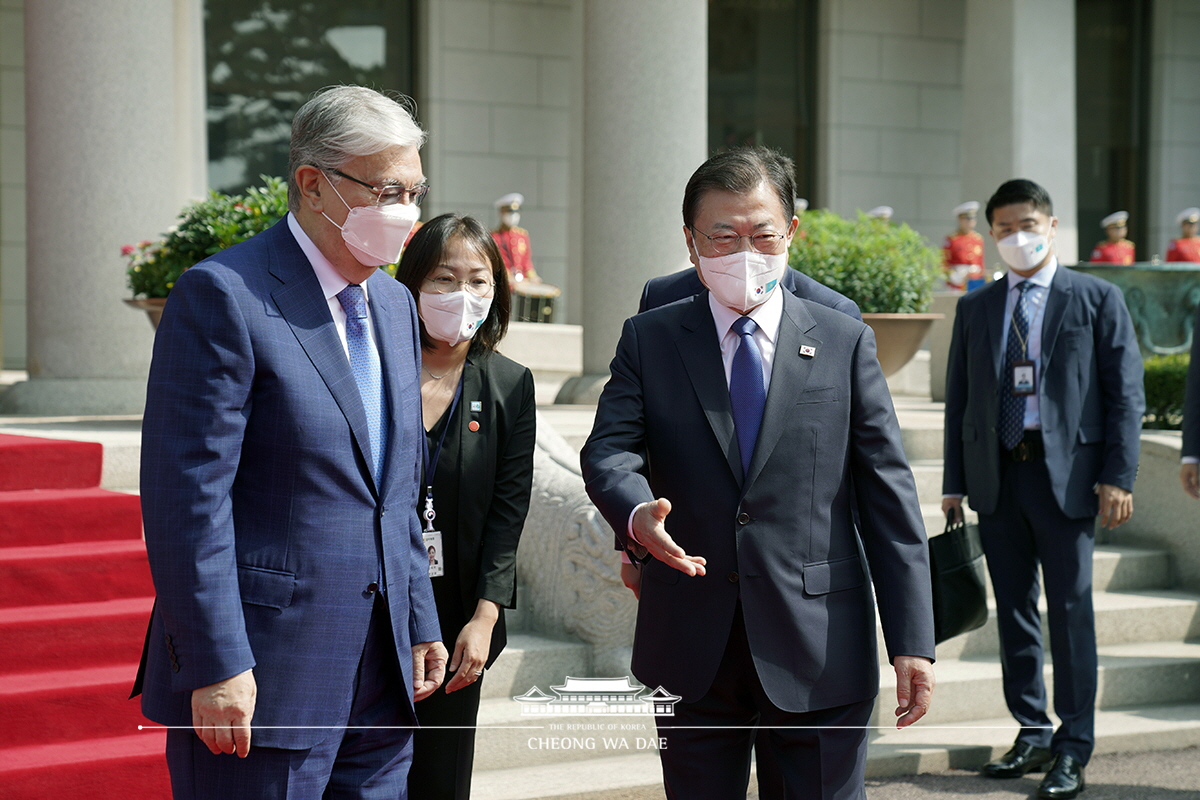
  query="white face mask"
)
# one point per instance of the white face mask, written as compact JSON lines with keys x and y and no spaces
{"x":1024,"y":250}
{"x":743,"y":280}
{"x":452,"y":317}
{"x":375,"y":235}
{"x":510,"y":218}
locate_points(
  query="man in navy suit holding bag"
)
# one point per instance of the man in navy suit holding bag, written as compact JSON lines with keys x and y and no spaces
{"x":722,"y":455}
{"x":281,"y":451}
{"x":1044,"y":403}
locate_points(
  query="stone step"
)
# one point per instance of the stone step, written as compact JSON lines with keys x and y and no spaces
{"x":968,"y":746}
{"x":928,"y":475}
{"x":921,"y":748}
{"x":1153,"y":615}
{"x":531,"y":660}
{"x":1130,"y":674}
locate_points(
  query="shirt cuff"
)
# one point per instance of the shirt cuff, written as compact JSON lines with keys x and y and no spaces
{"x":629,"y":525}
{"x":953,"y":496}
{"x":1189,"y":460}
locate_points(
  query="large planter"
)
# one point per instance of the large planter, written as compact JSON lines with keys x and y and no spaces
{"x":153,"y":306}
{"x":898,"y":337}
{"x":1161,"y":298}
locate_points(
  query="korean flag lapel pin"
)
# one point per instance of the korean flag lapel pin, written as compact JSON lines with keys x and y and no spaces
{"x":476,"y":407}
{"x":807,"y":351}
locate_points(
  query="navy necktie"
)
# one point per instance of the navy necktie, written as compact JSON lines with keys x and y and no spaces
{"x":747,"y":394}
{"x":1012,"y":406}
{"x":364,"y":363}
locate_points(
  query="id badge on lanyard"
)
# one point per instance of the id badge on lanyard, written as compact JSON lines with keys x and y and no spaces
{"x":1024,"y":371}
{"x":431,"y":536}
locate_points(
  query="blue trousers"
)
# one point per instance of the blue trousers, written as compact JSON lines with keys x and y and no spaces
{"x":1029,"y":529}
{"x":367,"y":760}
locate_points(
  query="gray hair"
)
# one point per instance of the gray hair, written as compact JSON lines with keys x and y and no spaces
{"x":341,"y":123}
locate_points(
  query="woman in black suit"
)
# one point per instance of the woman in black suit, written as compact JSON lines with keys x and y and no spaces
{"x":479,"y":415}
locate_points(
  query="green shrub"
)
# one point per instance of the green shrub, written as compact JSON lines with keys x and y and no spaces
{"x":204,"y":228}
{"x":1166,"y":377}
{"x":884,"y":268}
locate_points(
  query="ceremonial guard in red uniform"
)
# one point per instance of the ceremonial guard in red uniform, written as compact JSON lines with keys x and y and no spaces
{"x":963,"y":250}
{"x":513,"y":241}
{"x":1115,"y":249}
{"x":883,"y":213}
{"x":1187,"y":246}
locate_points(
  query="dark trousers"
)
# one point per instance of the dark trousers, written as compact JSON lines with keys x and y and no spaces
{"x":364,"y":760}
{"x":819,"y":754}
{"x":444,"y":745}
{"x":1029,"y":529}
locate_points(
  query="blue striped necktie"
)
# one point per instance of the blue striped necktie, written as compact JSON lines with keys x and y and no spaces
{"x":747,"y":394}
{"x":1012,"y":406}
{"x":364,"y":363}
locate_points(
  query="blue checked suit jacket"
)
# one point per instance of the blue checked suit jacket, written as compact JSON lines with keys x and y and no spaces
{"x":264,"y":526}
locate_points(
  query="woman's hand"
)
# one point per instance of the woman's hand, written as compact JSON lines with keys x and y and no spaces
{"x":472,"y":646}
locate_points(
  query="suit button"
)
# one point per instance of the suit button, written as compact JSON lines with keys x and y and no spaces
{"x":372,"y":587}
{"x":743,"y":518}
{"x":733,"y":577}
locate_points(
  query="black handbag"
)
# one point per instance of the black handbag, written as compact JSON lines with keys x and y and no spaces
{"x":959,"y":575}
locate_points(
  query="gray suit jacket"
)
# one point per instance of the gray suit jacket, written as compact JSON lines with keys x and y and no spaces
{"x":1090,"y":393}
{"x":783,"y":540}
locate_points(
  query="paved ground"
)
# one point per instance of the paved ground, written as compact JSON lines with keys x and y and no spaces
{"x":1169,"y":775}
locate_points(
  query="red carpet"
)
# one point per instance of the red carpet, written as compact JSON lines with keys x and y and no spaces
{"x":75,"y":596}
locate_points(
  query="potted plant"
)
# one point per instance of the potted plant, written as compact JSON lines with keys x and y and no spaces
{"x":887,"y":269}
{"x":204,"y":228}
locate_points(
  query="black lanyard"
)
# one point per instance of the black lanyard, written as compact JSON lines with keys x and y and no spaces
{"x":432,"y":461}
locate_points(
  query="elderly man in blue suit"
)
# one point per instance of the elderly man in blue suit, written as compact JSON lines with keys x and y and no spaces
{"x":722,"y":455}
{"x":1044,"y":403}
{"x":281,"y":453}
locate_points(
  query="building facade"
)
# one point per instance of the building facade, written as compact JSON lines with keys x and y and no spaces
{"x":114,"y":113}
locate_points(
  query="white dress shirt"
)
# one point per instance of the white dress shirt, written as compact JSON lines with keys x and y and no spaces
{"x":331,"y":282}
{"x":1036,"y":296}
{"x":767,"y":317}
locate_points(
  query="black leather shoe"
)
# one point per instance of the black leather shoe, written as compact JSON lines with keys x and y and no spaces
{"x":1016,"y":762}
{"x":1065,"y":779}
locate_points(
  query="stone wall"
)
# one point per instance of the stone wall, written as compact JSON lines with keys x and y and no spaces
{"x":891,"y":94}
{"x":499,"y":87}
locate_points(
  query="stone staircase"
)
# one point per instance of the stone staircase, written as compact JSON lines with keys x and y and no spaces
{"x":1149,"y":690}
{"x":1149,"y":635}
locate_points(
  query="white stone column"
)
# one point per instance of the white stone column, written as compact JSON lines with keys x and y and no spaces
{"x":645,"y":132}
{"x":1019,"y":106}
{"x":115,"y":147}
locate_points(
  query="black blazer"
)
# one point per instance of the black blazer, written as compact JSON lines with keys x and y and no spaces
{"x":783,"y":540}
{"x":495,"y":481}
{"x":686,"y":283}
{"x":1090,"y":393}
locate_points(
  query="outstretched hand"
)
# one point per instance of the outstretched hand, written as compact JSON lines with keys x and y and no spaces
{"x":650,"y":530}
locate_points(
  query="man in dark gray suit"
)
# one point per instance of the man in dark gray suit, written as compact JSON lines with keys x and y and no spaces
{"x":743,"y":414}
{"x":686,"y":283}
{"x":1189,"y":469}
{"x":1044,"y":405}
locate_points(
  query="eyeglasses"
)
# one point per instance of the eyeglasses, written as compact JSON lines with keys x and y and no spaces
{"x":444,"y":284}
{"x":763,"y":242}
{"x":390,"y":195}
